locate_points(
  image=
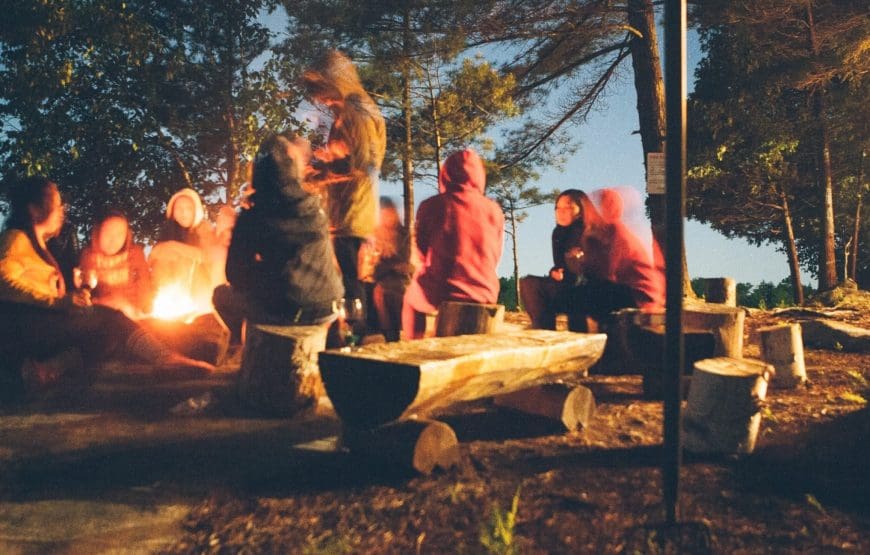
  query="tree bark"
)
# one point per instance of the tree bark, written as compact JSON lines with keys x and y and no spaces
{"x":852,"y":271}
{"x":827,"y":260}
{"x":513,"y":218}
{"x":650,"y":89}
{"x":407,"y":152}
{"x":791,"y":250}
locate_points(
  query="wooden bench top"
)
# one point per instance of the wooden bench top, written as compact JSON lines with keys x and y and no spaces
{"x":378,"y":383}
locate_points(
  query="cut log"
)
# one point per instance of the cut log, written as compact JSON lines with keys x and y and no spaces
{"x":572,"y":406}
{"x":279,"y":373}
{"x":723,"y":410}
{"x":421,"y":445}
{"x":455,"y":318}
{"x":831,"y":334}
{"x":725,"y":322}
{"x":374,"y":384}
{"x":783,"y":347}
{"x":205,"y":338}
{"x":721,"y":291}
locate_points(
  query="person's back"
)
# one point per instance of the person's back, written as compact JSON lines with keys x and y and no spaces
{"x":280,"y":256}
{"x":460,"y":235}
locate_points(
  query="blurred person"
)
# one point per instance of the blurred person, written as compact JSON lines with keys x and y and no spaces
{"x":40,"y":318}
{"x":391,"y":272}
{"x":347,"y":167}
{"x":280,"y":264}
{"x":123,"y":279}
{"x":459,"y":237}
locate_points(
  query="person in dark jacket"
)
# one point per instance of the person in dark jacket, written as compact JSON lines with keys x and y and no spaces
{"x":280,"y":265}
{"x":545,"y":296}
{"x":459,"y":236}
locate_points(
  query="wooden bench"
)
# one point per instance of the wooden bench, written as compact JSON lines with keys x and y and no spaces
{"x":375,"y":384}
{"x":636,"y":341}
{"x":384,"y":392}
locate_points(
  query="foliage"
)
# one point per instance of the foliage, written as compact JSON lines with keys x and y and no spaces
{"x":506,"y":296}
{"x":498,"y":536}
{"x":763,"y":295}
{"x":124,"y":103}
{"x":776,"y":74}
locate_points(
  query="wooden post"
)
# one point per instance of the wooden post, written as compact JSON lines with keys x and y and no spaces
{"x":725,"y":322}
{"x":783,"y":347}
{"x":721,"y":291}
{"x":419,"y":444}
{"x":722,"y":413}
{"x":279,"y":373}
{"x":572,"y":406}
{"x":455,"y":318}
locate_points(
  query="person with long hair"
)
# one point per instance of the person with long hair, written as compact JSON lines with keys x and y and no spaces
{"x":347,"y":167}
{"x":40,"y":317}
{"x":545,"y":296}
{"x":607,"y":266}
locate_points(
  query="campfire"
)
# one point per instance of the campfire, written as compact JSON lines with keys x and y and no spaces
{"x":175,"y":302}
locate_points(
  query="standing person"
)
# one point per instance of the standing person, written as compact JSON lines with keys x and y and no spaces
{"x":40,"y":317}
{"x":460,"y":236}
{"x":280,"y":263}
{"x":544,"y":297}
{"x":349,"y":164}
{"x":123,"y":276}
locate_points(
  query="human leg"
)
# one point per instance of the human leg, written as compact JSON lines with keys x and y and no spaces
{"x":538,"y":295}
{"x":347,"y":254}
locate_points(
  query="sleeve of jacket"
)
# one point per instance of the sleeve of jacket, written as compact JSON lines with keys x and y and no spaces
{"x":21,"y":281}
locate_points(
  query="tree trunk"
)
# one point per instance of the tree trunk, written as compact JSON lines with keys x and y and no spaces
{"x":791,"y":249}
{"x":852,"y":271}
{"x":436,"y":124}
{"x":650,"y":89}
{"x":513,"y":218}
{"x":407,"y":162}
{"x":827,"y":260}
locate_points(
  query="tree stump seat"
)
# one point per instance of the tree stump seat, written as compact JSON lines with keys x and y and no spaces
{"x":636,"y":341}
{"x":279,"y":373}
{"x":375,"y":384}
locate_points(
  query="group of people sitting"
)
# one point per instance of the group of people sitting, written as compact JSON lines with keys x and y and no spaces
{"x":308,"y":247}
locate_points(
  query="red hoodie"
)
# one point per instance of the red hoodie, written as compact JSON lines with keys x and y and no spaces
{"x":460,"y":235}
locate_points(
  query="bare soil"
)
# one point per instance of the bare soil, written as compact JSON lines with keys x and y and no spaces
{"x":598,"y":490}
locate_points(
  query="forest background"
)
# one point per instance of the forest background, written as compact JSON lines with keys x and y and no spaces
{"x":125,"y":102}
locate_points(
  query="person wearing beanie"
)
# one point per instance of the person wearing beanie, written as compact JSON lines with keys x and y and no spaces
{"x":460,"y":237}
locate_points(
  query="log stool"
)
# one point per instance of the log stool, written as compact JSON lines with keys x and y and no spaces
{"x":279,"y":373}
{"x":723,"y":410}
{"x":457,"y":318}
{"x":721,"y":291}
{"x":783,"y":347}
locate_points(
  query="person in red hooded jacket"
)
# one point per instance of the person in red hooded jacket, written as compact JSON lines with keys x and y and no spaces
{"x":616,"y":268}
{"x":459,"y":236}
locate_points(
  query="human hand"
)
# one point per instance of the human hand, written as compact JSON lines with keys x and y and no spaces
{"x":77,"y":297}
{"x":574,"y":260}
{"x":557,"y":274}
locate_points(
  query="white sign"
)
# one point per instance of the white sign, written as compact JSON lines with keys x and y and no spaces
{"x":655,"y":173}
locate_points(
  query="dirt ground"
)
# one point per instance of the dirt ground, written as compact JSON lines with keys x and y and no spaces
{"x":805,"y":489}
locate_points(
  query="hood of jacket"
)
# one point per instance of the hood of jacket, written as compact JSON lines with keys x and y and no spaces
{"x":462,"y":171}
{"x":199,"y":211}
